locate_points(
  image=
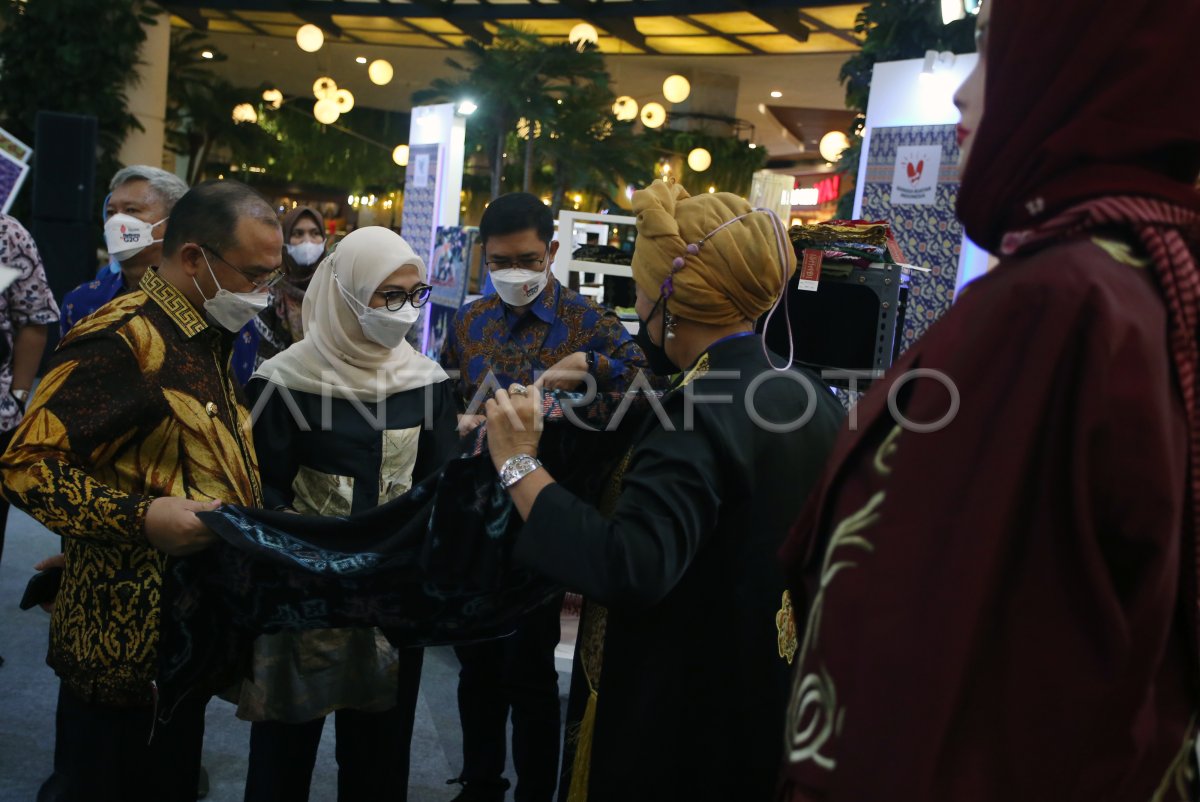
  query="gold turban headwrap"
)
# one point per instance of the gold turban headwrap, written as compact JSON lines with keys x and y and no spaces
{"x":734,"y":276}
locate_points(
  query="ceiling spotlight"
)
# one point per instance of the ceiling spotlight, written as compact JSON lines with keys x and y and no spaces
{"x":753,"y":146}
{"x":467,"y":107}
{"x":361,"y":60}
{"x":310,"y":38}
{"x":206,"y":54}
{"x":777,"y":94}
{"x":380,"y":72}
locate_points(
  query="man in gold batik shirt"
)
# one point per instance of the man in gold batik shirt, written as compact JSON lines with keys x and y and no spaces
{"x":137,"y":425}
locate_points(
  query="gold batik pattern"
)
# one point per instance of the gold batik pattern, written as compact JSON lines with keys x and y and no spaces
{"x":814,"y":717}
{"x":138,"y":403}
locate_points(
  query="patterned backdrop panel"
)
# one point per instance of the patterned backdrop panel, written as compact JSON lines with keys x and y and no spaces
{"x":420,"y":200}
{"x":929,"y":235}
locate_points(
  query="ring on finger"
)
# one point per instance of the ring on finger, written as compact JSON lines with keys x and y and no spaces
{"x":517,"y":389}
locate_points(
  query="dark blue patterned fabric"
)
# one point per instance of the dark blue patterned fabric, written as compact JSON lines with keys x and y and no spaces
{"x":430,"y":567}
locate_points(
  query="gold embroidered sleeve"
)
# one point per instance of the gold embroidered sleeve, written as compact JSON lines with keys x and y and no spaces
{"x":86,"y":410}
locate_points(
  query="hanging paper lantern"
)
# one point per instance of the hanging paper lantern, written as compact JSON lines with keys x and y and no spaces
{"x":699,"y":160}
{"x":244,"y":113}
{"x":344,"y":100}
{"x":380,"y":72}
{"x":653,"y":115}
{"x":676,"y":89}
{"x":583,"y":33}
{"x":326,"y":111}
{"x":310,"y":38}
{"x":273,"y":98}
{"x":400,"y":155}
{"x":324,"y":87}
{"x":625,"y":108}
{"x":832,"y":145}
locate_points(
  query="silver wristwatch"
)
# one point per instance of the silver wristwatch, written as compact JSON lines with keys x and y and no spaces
{"x":517,"y":468}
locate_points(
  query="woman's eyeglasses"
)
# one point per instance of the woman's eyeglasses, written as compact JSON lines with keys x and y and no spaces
{"x":418,"y":296}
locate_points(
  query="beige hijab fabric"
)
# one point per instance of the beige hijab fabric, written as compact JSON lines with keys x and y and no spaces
{"x":334,"y":357}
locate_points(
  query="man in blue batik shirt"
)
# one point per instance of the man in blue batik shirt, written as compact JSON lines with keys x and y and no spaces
{"x":532,"y":328}
{"x":135,"y":215}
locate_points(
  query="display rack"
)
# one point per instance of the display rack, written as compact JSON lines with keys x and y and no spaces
{"x":564,"y":265}
{"x":850,"y":323}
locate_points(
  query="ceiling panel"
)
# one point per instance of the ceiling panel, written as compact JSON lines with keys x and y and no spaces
{"x":712,"y":32}
{"x":665,"y":26}
{"x":357,"y":23}
{"x":734,"y":22}
{"x":398,"y":39}
{"x":433,"y":25}
{"x":841,"y":17}
{"x":694,"y":45}
{"x":817,"y":43}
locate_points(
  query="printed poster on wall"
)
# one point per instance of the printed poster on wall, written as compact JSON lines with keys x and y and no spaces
{"x":926,"y":230}
{"x":449,"y":267}
{"x":420,"y":202}
{"x":915,"y":179}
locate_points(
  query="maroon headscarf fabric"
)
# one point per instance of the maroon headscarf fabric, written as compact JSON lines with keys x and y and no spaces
{"x":1084,"y":98}
{"x":1092,"y":121}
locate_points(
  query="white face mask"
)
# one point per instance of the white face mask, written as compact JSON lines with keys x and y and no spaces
{"x":306,"y":253}
{"x":126,"y":236}
{"x":518,"y":287}
{"x":231,"y":310}
{"x":380,"y":325}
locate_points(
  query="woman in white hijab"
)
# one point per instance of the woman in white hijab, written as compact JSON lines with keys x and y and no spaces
{"x":348,"y":418}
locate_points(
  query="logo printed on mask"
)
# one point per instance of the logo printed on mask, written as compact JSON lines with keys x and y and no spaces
{"x":126,"y":236}
{"x":518,"y":287}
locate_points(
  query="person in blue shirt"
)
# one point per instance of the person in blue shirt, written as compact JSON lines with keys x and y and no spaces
{"x":135,"y":217}
{"x":532,"y":330}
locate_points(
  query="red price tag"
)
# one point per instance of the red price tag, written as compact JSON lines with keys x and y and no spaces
{"x":810,"y":270}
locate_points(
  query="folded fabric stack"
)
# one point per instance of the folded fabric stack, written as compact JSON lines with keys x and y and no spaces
{"x":843,"y":244}
{"x":604,"y":254}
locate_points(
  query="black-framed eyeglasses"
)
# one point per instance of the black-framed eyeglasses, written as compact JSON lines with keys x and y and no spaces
{"x":524,"y":263}
{"x":259,"y":280}
{"x":418,"y":296}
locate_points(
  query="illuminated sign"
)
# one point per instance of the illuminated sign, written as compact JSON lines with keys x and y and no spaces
{"x":824,"y":191}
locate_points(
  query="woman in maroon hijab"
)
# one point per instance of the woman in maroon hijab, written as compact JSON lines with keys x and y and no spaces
{"x":996,"y":585}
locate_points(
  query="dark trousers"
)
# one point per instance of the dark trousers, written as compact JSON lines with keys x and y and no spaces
{"x":514,"y":673}
{"x":372,"y":749}
{"x":106,"y":754}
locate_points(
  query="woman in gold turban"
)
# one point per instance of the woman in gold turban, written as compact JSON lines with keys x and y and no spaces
{"x":682,"y":661}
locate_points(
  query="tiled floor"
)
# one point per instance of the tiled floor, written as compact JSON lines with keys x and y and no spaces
{"x":28,"y":689}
